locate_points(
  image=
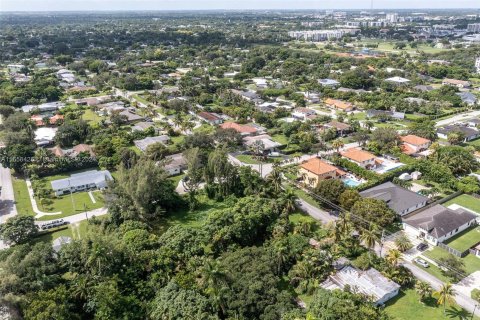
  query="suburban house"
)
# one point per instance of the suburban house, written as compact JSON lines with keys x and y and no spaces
{"x":340,"y":127}
{"x":265,"y":139}
{"x":362,"y":158}
{"x":144,"y":143}
{"x":399,"y":199}
{"x":372,"y":113}
{"x":210,"y":118}
{"x":456,"y":83}
{"x":315,"y":170}
{"x":469,"y":133}
{"x":174,"y":164}
{"x":130,"y":116}
{"x":143,"y":125}
{"x":53,"y":120}
{"x":339,"y":104}
{"x":87,"y":180}
{"x":44,"y":107}
{"x":397,"y":80}
{"x":73,"y":152}
{"x":423,"y":88}
{"x":370,"y":283}
{"x":303,"y":113}
{"x":438,"y":223}
{"x":412,"y":144}
{"x":467,"y":98}
{"x":244,"y":130}
{"x":329,"y":83}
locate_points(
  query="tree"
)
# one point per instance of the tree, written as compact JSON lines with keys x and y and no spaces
{"x":348,"y":198}
{"x":337,"y":144}
{"x":18,"y":229}
{"x":458,"y":159}
{"x":455,"y":137}
{"x":468,"y":184}
{"x":453,"y":267}
{"x":386,"y":138}
{"x":424,"y":128}
{"x":192,"y":180}
{"x":275,"y":179}
{"x":156,"y":151}
{"x":369,"y":236}
{"x":375,"y":211}
{"x":423,"y":289}
{"x":445,"y":295}
{"x":6,"y":111}
{"x":475,"y":294}
{"x":330,"y":189}
{"x":393,"y":256}
{"x":403,"y":243}
{"x":402,"y":183}
{"x":51,"y":304}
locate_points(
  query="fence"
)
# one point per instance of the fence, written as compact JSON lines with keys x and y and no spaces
{"x":453,"y":251}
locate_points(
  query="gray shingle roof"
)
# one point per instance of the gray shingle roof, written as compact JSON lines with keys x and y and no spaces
{"x":439,"y":220}
{"x":81,"y":179}
{"x":397,"y":198}
{"x":144,"y":143}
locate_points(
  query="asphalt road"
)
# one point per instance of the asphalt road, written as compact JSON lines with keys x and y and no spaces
{"x":8,"y":208}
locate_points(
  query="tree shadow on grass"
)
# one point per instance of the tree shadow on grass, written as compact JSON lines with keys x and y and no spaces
{"x":458,"y":313}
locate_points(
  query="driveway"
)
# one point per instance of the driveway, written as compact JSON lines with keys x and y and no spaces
{"x":79,"y":216}
{"x":315,"y":212}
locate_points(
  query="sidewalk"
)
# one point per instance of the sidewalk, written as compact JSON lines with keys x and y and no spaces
{"x":34,"y":202}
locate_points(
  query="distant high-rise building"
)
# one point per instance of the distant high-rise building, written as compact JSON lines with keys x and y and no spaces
{"x":473,"y":27}
{"x":477,"y":64}
{"x":392,"y":17}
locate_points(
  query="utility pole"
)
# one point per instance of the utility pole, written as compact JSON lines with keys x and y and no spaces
{"x":85,"y":210}
{"x":71,"y":196}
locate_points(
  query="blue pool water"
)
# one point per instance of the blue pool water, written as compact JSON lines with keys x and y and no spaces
{"x":351,"y":183}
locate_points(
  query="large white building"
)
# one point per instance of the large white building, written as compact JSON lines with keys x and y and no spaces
{"x":473,"y":27}
{"x":477,"y":64}
{"x":392,"y":17}
{"x":321,"y":35}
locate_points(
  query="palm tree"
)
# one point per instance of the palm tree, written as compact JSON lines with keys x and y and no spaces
{"x":393,"y":256}
{"x":289,"y":198}
{"x":275,"y":179}
{"x":369,"y":125}
{"x":337,"y":144}
{"x":402,"y":183}
{"x":212,"y":275}
{"x":403,"y":243}
{"x":369,"y":236}
{"x":445,"y":295}
{"x":423,"y":289}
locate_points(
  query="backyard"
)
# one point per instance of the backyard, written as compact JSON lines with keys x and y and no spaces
{"x":466,"y":201}
{"x":465,"y":239}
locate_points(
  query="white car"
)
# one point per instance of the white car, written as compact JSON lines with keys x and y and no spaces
{"x":421,"y":262}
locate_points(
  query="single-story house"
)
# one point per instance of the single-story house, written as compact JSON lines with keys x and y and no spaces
{"x":340,"y":127}
{"x":268,"y":143}
{"x":142,"y":126}
{"x":456,"y":83}
{"x":144,"y":143}
{"x":475,"y":122}
{"x":362,"y":158}
{"x":92,"y":179}
{"x":469,"y":133}
{"x":413,"y":144}
{"x":130,"y":116}
{"x":339,"y":104}
{"x":399,"y":199}
{"x":44,"y":107}
{"x":244,"y":130}
{"x":328,"y":83}
{"x":397,"y":80}
{"x":303,"y":113}
{"x":174,"y":164}
{"x":372,"y":113}
{"x":370,"y":283}
{"x":468,"y":98}
{"x":44,"y":136}
{"x":438,"y":223}
{"x":315,"y":170}
{"x":423,"y":88}
{"x":210,"y":118}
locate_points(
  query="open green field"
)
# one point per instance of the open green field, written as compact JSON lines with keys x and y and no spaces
{"x":466,"y":201}
{"x":248,"y":159}
{"x":22,"y":200}
{"x":472,"y":263}
{"x":465,"y":239}
{"x":71,"y":204}
{"x":280,"y":138}
{"x":91,"y":116}
{"x":407,"y":306}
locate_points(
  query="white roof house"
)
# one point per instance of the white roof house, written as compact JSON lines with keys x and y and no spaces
{"x":44,"y":136}
{"x":144,"y":143}
{"x":92,"y":179}
{"x":370,"y":283}
{"x":398,"y":80}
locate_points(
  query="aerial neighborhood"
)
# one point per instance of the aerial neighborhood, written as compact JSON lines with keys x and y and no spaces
{"x":240,"y":165}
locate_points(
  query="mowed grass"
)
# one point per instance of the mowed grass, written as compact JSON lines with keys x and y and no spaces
{"x":471,"y":262}
{"x":75,"y":231}
{"x":466,"y":201}
{"x":248,"y":159}
{"x":407,"y":306}
{"x":71,"y":204}
{"x":280,"y":138}
{"x":465,"y":239}
{"x":22,"y":200}
{"x":90,"y":116}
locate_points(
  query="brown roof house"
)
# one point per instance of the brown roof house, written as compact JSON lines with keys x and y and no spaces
{"x":315,"y":170}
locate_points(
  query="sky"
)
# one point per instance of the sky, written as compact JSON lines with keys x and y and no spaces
{"x":119,"y":5}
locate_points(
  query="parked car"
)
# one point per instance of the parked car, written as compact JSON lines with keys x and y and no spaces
{"x":422,"y":246}
{"x":53,"y":224}
{"x":421,"y":262}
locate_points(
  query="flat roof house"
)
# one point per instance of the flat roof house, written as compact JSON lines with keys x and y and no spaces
{"x":397,"y":80}
{"x":328,"y":83}
{"x":362,"y":158}
{"x":315,"y":170}
{"x":438,"y":223}
{"x":372,"y":113}
{"x":144,"y":143}
{"x":370,"y":283}
{"x":399,"y":199}
{"x":303,"y":113}
{"x":265,"y":139}
{"x":92,"y":179}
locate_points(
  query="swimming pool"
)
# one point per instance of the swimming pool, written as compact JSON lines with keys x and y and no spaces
{"x":351,"y":182}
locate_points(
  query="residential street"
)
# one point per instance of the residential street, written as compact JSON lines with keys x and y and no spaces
{"x":457,"y":118}
{"x":8,"y":208}
{"x":79,"y":216}
{"x":314,"y":212}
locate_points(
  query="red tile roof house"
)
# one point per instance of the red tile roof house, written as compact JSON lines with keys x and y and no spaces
{"x":413,"y":144}
{"x":210,"y":118}
{"x":244,"y":130}
{"x":362,"y":158}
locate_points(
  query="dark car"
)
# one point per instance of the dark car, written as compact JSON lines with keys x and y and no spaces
{"x":422,"y":246}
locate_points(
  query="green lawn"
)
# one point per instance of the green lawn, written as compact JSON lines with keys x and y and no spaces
{"x":465,"y":239}
{"x":91,"y":116}
{"x":74,"y":231}
{"x":248,"y":159}
{"x":407,"y":306}
{"x":305,"y":196}
{"x":22,"y":200}
{"x":280,"y":138}
{"x":72,"y":204}
{"x":472,"y":263}
{"x":298,"y":217}
{"x":466,"y":201}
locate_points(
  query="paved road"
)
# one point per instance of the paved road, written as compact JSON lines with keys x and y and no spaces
{"x":8,"y":208}
{"x":457,"y":118}
{"x":315,"y":212}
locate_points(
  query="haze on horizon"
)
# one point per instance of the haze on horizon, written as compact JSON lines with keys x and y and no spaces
{"x":127,"y":5}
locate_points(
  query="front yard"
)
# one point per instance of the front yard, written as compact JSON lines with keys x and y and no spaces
{"x":472,"y":263}
{"x":71,"y":204}
{"x":22,"y":200}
